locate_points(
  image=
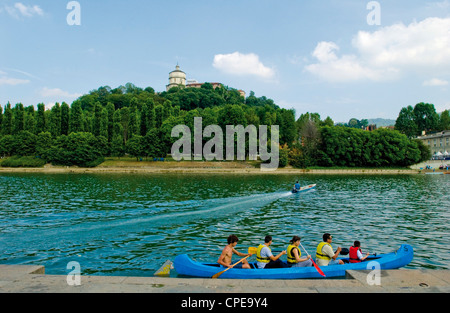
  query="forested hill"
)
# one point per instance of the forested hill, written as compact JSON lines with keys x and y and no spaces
{"x":129,"y":119}
{"x":187,"y":98}
{"x":136,"y":121}
{"x":141,"y":110}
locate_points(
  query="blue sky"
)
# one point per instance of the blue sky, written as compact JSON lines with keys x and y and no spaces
{"x":313,"y":56}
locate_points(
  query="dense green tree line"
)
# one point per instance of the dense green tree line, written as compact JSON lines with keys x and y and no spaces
{"x":326,"y":145}
{"x":343,"y":146}
{"x":113,"y":122}
{"x":135,"y":121}
{"x":412,"y":121}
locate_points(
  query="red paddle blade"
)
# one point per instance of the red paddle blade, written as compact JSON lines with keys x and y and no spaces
{"x":318,"y":269}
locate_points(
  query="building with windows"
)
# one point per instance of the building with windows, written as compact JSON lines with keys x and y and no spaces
{"x":177,"y":78}
{"x":439,"y":144}
{"x":196,"y":84}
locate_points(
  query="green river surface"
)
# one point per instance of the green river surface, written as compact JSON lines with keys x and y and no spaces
{"x":130,"y":224}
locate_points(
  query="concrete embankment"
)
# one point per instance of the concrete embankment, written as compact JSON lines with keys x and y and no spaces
{"x":206,"y":170}
{"x":32,"y":279}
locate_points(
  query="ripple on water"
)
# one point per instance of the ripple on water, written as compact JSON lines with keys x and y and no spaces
{"x":132,"y":224}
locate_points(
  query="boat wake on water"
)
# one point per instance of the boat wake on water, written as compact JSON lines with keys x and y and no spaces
{"x":140,"y":219}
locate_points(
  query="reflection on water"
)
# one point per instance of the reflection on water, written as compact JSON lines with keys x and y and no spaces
{"x":131,"y":224}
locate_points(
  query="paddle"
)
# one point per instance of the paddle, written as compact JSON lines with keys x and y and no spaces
{"x":253,"y":250}
{"x":220,"y":273}
{"x":314,"y":263}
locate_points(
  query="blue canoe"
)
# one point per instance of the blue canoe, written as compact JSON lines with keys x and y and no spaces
{"x":303,"y":189}
{"x":187,"y":267}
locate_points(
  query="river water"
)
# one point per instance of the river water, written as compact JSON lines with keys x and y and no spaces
{"x":130,"y":224}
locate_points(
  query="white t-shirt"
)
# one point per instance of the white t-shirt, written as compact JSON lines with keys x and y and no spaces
{"x":359,"y":254}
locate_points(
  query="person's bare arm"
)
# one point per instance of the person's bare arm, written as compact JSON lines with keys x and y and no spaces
{"x":240,"y":254}
{"x":298,"y":259}
{"x":274,"y":258}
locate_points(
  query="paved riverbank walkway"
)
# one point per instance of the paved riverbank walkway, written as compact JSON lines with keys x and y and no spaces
{"x":32,"y":279}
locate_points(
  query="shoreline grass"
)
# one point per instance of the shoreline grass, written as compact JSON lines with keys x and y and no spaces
{"x":131,"y":165}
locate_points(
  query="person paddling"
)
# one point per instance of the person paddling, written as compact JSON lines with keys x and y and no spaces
{"x":294,"y":254}
{"x":227,"y":253}
{"x":325,"y":255}
{"x":265,"y":258}
{"x":355,"y":254}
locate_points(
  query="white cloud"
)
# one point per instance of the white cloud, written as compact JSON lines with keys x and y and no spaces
{"x":440,"y":5}
{"x":56,"y":92}
{"x":12,"y":81}
{"x":342,"y":69}
{"x":426,"y":43}
{"x":387,"y":53}
{"x":49,"y":106}
{"x":242,"y":64}
{"x":20,"y":9}
{"x":435,"y":82}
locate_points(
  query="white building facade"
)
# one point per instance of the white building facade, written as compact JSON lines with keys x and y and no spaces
{"x":439,"y":144}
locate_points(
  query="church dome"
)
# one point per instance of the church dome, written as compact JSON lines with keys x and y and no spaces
{"x":177,"y":73}
{"x":177,"y":78}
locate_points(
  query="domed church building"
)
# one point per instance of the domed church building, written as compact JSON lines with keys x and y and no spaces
{"x":177,"y":78}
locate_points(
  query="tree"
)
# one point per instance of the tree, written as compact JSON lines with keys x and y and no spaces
{"x":426,"y":117}
{"x":444,"y":121}
{"x":134,"y":127}
{"x":55,"y":120}
{"x":327,"y":122}
{"x":124,"y":115}
{"x":8,"y":120}
{"x":305,"y":118}
{"x":158,"y":115}
{"x":134,"y":146}
{"x":19,"y":113}
{"x":1,"y":119}
{"x":25,"y":143}
{"x":151,"y":115}
{"x":65,"y":118}
{"x":41,"y":124}
{"x":144,"y":119}
{"x":7,"y":145}
{"x":167,"y":110}
{"x":284,"y":156}
{"x":154,"y":144}
{"x":43,"y":143}
{"x":288,"y":129}
{"x":310,"y":140}
{"x":231,"y":115}
{"x":110,"y":117}
{"x":76,"y":118}
{"x":406,"y":122}
{"x":29,"y":121}
{"x":81,"y":149}
{"x":97,"y":117}
{"x":425,"y":152}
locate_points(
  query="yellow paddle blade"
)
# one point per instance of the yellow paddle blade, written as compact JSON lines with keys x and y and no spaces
{"x":165,"y":269}
{"x":252,"y":250}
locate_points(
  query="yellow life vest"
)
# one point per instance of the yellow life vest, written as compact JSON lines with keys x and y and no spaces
{"x":319,"y":254}
{"x":290,"y":255}
{"x":258,"y":255}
